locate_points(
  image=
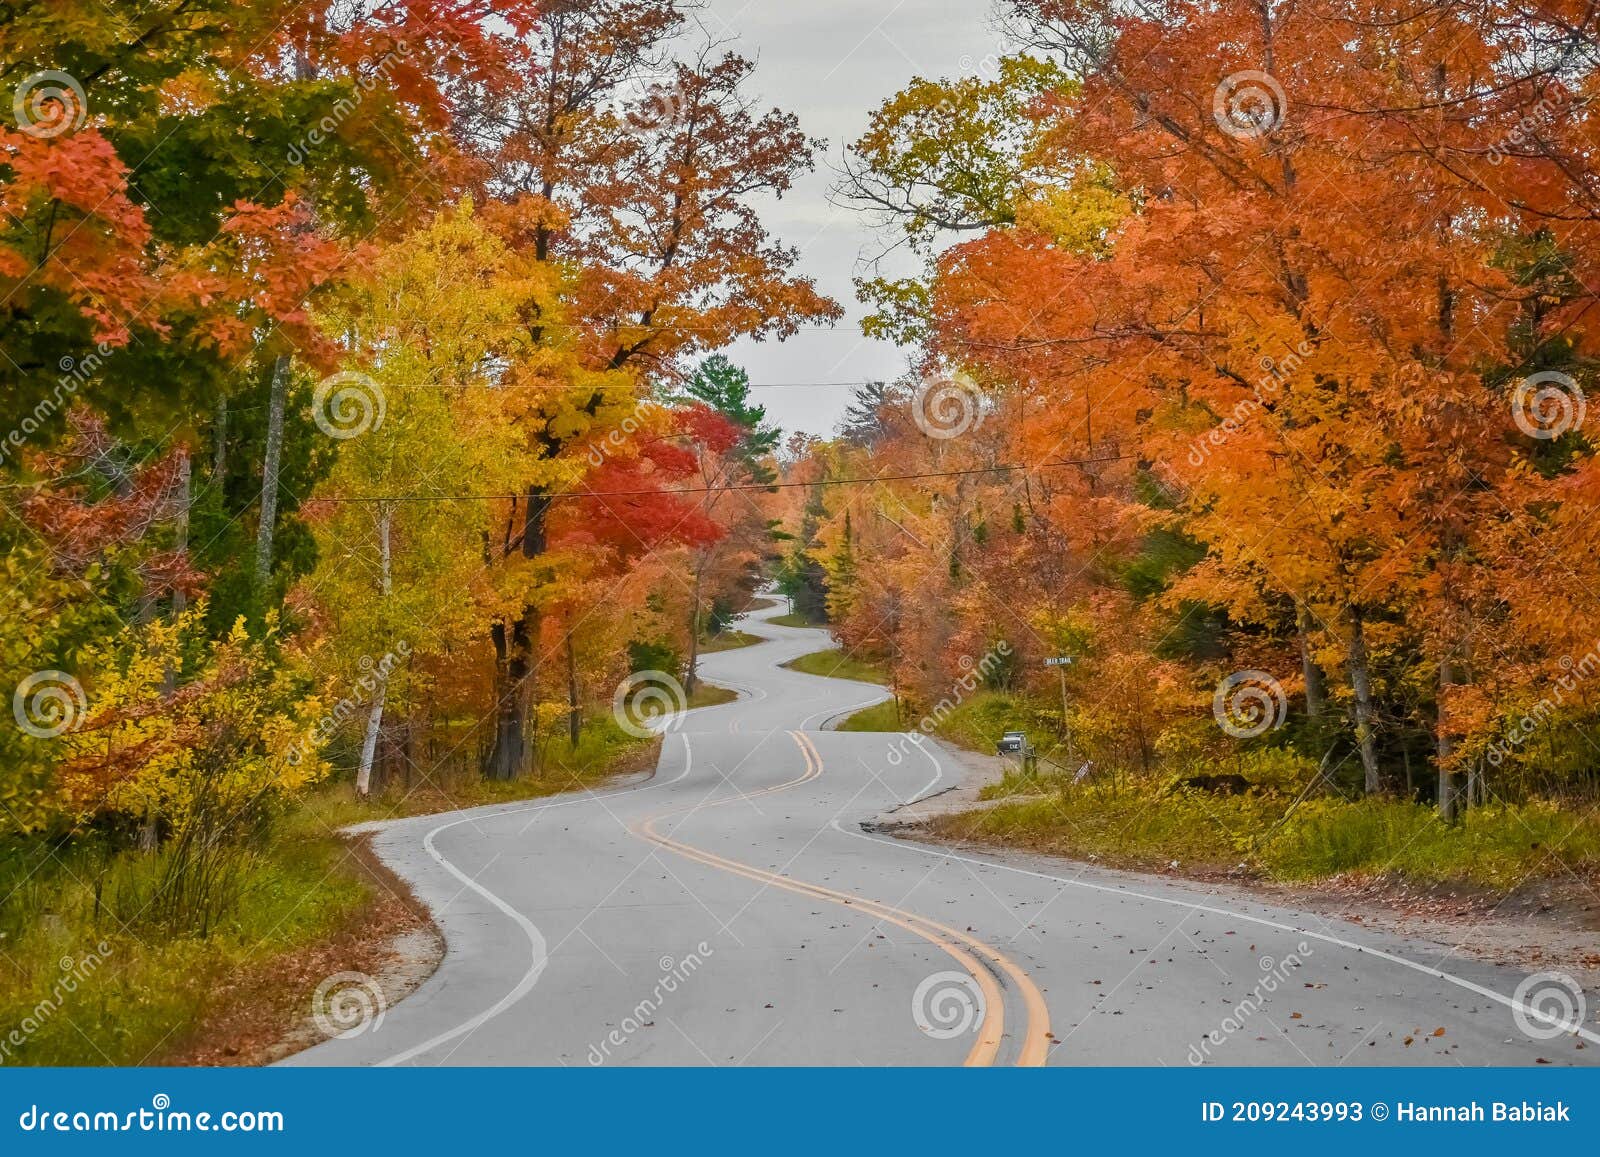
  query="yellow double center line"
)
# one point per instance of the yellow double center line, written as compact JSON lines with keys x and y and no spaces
{"x":983,"y":961}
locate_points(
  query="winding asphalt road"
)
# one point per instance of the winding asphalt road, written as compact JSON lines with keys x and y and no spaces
{"x":732,"y":910}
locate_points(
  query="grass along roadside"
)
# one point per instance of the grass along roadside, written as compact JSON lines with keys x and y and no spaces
{"x":975,"y":723}
{"x":89,"y":975}
{"x":885,"y":716}
{"x":834,"y":663}
{"x":796,"y":620}
{"x":262,"y":1012}
{"x":729,"y":640}
{"x":709,"y":695}
{"x":1143,"y":823}
{"x":88,"y":978}
{"x":1498,"y":848}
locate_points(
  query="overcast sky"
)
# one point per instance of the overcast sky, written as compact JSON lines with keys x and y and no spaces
{"x":832,"y":62}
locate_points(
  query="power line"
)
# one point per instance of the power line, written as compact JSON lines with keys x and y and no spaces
{"x":1002,"y":469}
{"x":582,"y":389}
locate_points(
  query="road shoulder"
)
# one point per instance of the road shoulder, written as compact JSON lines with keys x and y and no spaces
{"x":1549,"y":925}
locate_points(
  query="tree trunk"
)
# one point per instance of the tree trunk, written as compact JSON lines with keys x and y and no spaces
{"x":1316,"y":692}
{"x":180,"y":546}
{"x":180,"y":522}
{"x":219,"y":440}
{"x":369,"y":743}
{"x":514,"y":667}
{"x":1449,"y":781}
{"x":149,"y":838}
{"x":270,"y":461}
{"x":408,"y":749}
{"x":1361,"y":684}
{"x":1450,"y":803}
{"x":514,"y":645}
{"x":574,"y":712}
{"x":385,"y":566}
{"x":694,"y":630}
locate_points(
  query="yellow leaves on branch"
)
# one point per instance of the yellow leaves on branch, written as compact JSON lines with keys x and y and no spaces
{"x":178,"y":725}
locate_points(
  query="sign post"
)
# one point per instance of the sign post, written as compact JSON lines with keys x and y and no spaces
{"x":1061,"y":663}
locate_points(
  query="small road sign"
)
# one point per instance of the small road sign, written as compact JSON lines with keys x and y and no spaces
{"x":1059,"y":661}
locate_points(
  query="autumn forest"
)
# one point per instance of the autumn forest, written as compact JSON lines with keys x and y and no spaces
{"x":372,"y":436}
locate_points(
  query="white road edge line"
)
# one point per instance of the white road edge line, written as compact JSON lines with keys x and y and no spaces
{"x":1510,"y":1002}
{"x":917,"y":741}
{"x":538,"y":957}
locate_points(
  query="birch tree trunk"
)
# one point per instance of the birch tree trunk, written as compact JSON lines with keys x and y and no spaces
{"x":369,"y":742}
{"x":270,"y":462}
